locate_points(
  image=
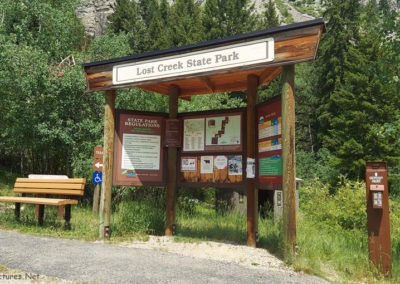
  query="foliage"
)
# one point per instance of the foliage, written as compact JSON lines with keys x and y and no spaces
{"x":355,"y":90}
{"x":344,"y":209}
{"x":223,"y":18}
{"x":49,"y":26}
{"x":138,"y":218}
{"x":310,"y":166}
{"x":271,"y":18}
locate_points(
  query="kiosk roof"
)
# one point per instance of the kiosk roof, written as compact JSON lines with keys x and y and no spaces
{"x":291,"y":44}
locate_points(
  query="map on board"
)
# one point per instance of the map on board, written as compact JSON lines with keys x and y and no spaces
{"x":223,"y":130}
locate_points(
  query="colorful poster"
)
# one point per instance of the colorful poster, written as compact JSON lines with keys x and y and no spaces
{"x":269,"y":151}
{"x":235,"y":165}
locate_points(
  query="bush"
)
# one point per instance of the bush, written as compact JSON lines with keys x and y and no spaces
{"x":139,"y":218}
{"x":343,"y":209}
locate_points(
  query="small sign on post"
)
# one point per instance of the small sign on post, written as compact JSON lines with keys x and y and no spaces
{"x":380,"y":252}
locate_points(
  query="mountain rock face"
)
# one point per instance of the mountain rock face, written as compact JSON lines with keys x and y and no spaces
{"x":94,"y":14}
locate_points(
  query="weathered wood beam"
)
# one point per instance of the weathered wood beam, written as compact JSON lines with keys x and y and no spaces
{"x":288,"y":163}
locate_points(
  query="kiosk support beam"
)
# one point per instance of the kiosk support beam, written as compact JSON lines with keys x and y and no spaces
{"x":251,"y":190}
{"x":172,"y":158}
{"x":108,"y":158}
{"x":288,"y":163}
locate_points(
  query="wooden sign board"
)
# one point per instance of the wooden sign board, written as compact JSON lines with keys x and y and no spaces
{"x":213,"y":133}
{"x":173,"y":133}
{"x":269,"y":140}
{"x":139,"y":154}
{"x":212,"y":150}
{"x":225,"y":57}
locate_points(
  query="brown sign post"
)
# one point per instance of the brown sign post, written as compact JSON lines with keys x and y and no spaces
{"x":378,"y":217}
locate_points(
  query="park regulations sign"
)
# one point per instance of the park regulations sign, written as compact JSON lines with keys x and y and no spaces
{"x":205,"y":61}
{"x":139,"y":154}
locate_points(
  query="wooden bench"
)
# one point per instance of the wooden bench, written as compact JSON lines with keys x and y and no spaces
{"x":53,"y":192}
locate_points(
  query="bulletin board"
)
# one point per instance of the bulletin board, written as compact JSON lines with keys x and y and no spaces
{"x":212,"y":149}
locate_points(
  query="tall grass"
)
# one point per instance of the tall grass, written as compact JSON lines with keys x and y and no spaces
{"x":331,"y":228}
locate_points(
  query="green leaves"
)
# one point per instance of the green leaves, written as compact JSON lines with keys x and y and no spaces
{"x":353,"y":88}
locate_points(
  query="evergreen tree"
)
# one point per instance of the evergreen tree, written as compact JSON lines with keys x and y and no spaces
{"x":352,"y":96}
{"x":184,"y":23}
{"x":271,"y":18}
{"x":158,"y":27}
{"x":334,"y":102}
{"x":223,"y":18}
{"x":127,"y":18}
{"x":148,"y":9}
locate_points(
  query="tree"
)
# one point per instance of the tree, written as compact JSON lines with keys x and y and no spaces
{"x":184,"y":23}
{"x":271,"y":18}
{"x":46,"y":120}
{"x":352,"y":96}
{"x":54,"y":28}
{"x":127,"y":19}
{"x":223,"y":18}
{"x":158,"y":27}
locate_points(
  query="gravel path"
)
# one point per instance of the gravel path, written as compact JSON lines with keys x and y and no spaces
{"x":160,"y":260}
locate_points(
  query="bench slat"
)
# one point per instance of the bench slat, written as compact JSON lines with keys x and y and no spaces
{"x":38,"y":200}
{"x":63,"y":181}
{"x":49,"y":191}
{"x":49,"y":185}
{"x":73,"y":186}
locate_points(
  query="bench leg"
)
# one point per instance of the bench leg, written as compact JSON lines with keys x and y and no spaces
{"x":17,"y":211}
{"x":41,"y":215}
{"x":60,"y":211}
{"x":67,"y":217}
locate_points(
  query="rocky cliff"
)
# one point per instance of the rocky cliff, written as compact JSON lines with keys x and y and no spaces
{"x":94,"y":14}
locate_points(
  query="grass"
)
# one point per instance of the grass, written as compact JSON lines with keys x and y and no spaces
{"x":326,"y":249}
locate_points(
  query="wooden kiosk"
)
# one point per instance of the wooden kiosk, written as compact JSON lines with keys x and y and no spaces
{"x":242,"y":62}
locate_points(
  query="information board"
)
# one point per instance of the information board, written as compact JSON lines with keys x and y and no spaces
{"x":138,"y":158}
{"x":269,"y":139}
{"x":210,"y":133}
{"x":212,"y":148}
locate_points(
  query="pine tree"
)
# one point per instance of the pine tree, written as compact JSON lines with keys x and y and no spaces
{"x":335,"y":102}
{"x":158,"y":27}
{"x":127,"y":18}
{"x":354,"y":92}
{"x":271,"y":18}
{"x":223,"y":18}
{"x":184,"y":23}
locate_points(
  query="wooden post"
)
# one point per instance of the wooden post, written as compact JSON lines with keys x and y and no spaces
{"x":105,"y":201}
{"x":252,"y":198}
{"x":288,"y":163}
{"x":172,"y":156}
{"x":96,"y":197}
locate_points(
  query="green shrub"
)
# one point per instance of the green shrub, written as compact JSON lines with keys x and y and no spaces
{"x":139,"y":218}
{"x":343,"y":209}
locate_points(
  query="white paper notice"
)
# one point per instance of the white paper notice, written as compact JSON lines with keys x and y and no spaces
{"x":220,"y":162}
{"x":189,"y":164}
{"x":193,"y":134}
{"x":207,"y":165}
{"x":141,"y":152}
